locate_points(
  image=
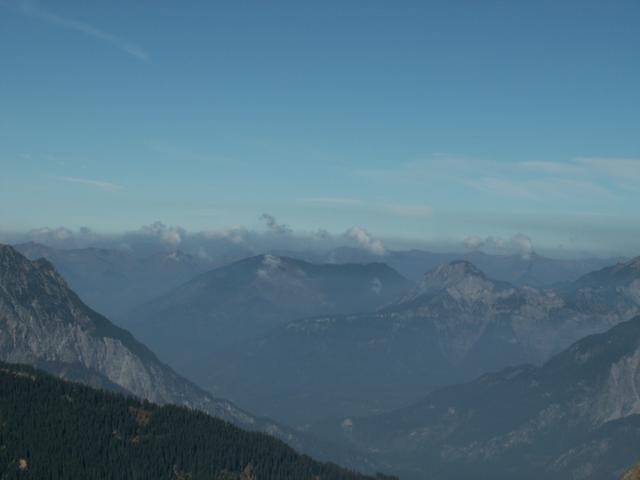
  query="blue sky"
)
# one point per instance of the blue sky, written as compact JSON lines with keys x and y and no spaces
{"x":417,"y":120}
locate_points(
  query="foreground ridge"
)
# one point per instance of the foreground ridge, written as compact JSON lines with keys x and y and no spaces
{"x":56,"y":429}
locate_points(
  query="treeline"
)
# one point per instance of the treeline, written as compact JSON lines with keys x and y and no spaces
{"x":52,"y":429}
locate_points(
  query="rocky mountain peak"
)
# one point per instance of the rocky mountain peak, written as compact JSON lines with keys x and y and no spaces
{"x":18,"y":275}
{"x":459,"y":278}
{"x":633,"y":264}
{"x":453,"y":272}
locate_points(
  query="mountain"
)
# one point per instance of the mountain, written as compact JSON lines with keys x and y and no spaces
{"x":530,"y":269}
{"x":60,"y":430}
{"x":231,"y":304}
{"x":114,"y":281}
{"x":616,"y":276}
{"x":577,"y":416}
{"x":455,"y":325}
{"x":44,"y":323}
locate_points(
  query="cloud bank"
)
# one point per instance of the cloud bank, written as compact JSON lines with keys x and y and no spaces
{"x":275,"y":237}
{"x":519,"y":244}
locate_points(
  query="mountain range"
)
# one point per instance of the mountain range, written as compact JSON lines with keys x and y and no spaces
{"x":45,"y":324}
{"x":241,"y":301}
{"x":116,"y":280}
{"x":455,"y":325}
{"x":573,"y":413}
{"x":527,"y":268}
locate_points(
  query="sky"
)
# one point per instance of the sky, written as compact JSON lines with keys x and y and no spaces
{"x":428,"y":121}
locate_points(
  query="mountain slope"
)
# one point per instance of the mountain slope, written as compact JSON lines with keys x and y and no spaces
{"x":577,"y":416}
{"x":59,"y":430}
{"x":456,"y":324}
{"x":44,"y":323}
{"x":247,"y":298}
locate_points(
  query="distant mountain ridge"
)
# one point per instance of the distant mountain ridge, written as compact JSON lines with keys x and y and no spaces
{"x":247,"y":298}
{"x":114,"y":281}
{"x":456,"y":324}
{"x":530,"y":269}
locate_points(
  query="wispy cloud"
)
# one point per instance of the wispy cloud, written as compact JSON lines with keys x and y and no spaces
{"x":557,"y":168}
{"x":397,"y":209}
{"x":274,"y":226}
{"x":524,"y":180}
{"x":519,"y":243}
{"x":332,"y":201}
{"x":623,"y":168}
{"x":414,"y":210}
{"x":100,"y":184}
{"x":501,"y":186}
{"x":588,"y":167}
{"x":181,"y":154}
{"x":31,"y":9}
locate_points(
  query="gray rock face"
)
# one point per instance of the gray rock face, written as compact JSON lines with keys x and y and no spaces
{"x":577,"y":416}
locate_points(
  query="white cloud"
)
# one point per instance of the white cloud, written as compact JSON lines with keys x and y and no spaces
{"x":519,"y":243}
{"x":31,"y":9}
{"x":620,"y":168}
{"x":101,"y":184}
{"x":236,"y":234}
{"x":332,"y":201}
{"x":365,"y":240}
{"x":501,"y":186}
{"x":48,"y":234}
{"x":60,"y":237}
{"x":376,"y":285}
{"x":169,"y":235}
{"x":270,"y":263}
{"x":323,"y":234}
{"x":537,"y":180}
{"x":410,"y":210}
{"x":274,"y":226}
{"x":594,"y":168}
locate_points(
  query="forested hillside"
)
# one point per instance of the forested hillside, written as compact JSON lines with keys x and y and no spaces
{"x":53,"y":429}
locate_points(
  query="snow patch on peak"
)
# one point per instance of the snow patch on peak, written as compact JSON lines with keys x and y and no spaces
{"x":376,"y":285}
{"x":270,"y":264}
